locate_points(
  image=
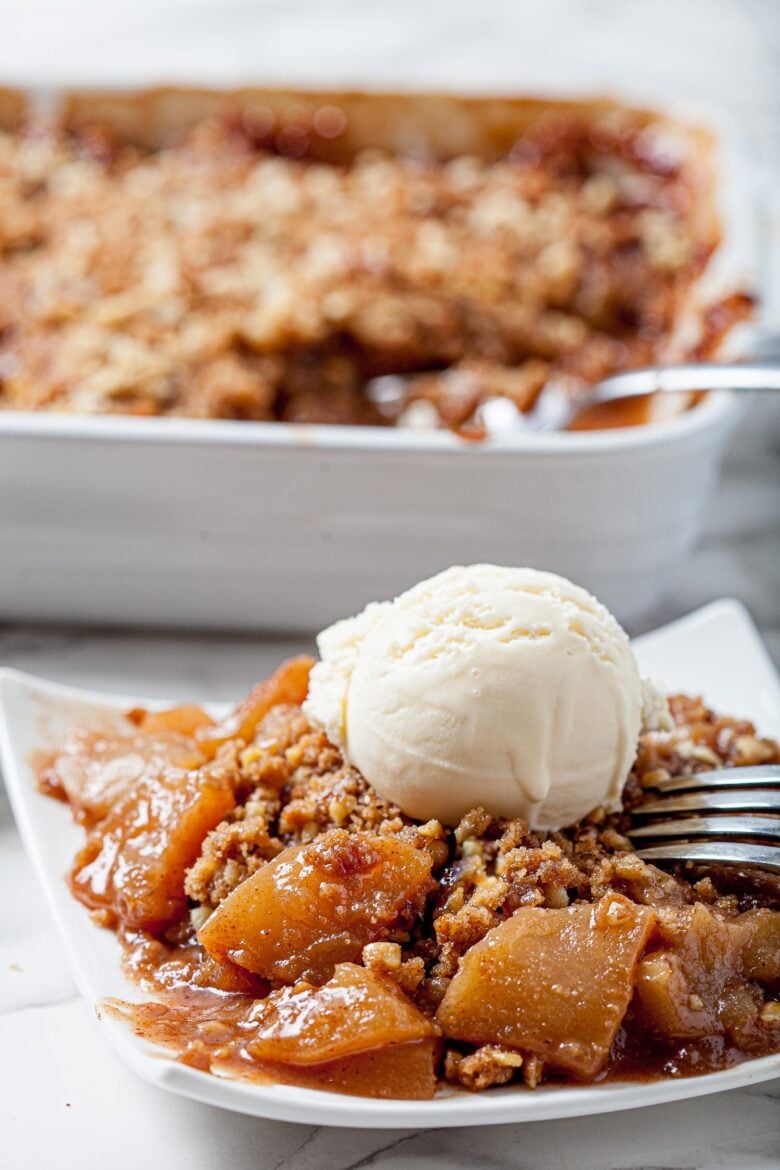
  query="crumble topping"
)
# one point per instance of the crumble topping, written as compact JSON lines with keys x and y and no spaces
{"x":216,"y":278}
{"x":272,"y":883}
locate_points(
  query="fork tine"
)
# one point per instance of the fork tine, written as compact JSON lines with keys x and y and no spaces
{"x":763,"y":827}
{"x":720,"y":800}
{"x":738,"y":853}
{"x":747,"y":777}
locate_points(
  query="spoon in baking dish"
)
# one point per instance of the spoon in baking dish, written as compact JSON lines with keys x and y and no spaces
{"x":625,"y":399}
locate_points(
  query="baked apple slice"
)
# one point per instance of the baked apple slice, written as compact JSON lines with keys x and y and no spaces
{"x":288,"y":684}
{"x":133,"y":864}
{"x":185,"y":720}
{"x":94,"y":771}
{"x":316,"y":905}
{"x":761,"y":945}
{"x":693,"y":985}
{"x":556,"y":983}
{"x":358,"y":1033}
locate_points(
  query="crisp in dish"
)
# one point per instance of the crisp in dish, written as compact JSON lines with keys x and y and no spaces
{"x":344,"y":258}
{"x":293,"y":926}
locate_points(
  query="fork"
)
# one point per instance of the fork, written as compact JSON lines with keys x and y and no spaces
{"x":729,"y":816}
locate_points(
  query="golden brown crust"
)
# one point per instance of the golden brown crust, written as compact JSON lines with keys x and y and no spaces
{"x":433,"y":125}
{"x":438,"y":125}
{"x":233,"y":272}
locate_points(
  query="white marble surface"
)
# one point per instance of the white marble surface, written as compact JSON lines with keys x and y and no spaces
{"x":65,"y":1100}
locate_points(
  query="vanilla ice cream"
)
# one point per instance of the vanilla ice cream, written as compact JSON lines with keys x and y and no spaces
{"x":508,"y":688}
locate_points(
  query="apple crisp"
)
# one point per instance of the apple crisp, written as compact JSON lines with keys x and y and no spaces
{"x":223,"y":276}
{"x":294,"y":926}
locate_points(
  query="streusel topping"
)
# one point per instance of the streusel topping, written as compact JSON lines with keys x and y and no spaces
{"x":215,"y":278}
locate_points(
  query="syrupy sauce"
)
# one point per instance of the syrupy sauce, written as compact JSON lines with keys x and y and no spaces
{"x":202,"y":1014}
{"x":635,"y":411}
{"x":203,"y":1027}
{"x":202,"y":1017}
{"x":635,"y":1057}
{"x":201,"y":1010}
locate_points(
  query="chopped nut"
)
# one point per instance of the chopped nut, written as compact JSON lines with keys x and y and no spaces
{"x":199,"y":916}
{"x":490,"y":1065}
{"x":705,"y":755}
{"x":770,"y":1013}
{"x":385,"y":956}
{"x":250,"y":755}
{"x":533,"y":1071}
{"x":749,"y":750}
{"x":340,"y":808}
{"x":655,"y":776}
{"x":507,"y":1057}
{"x":474,"y":824}
{"x":556,"y":897}
{"x":433,"y":829}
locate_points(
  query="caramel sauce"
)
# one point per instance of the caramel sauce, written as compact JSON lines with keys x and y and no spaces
{"x":635,"y":411}
{"x":205,"y":1015}
{"x":633,"y":1058}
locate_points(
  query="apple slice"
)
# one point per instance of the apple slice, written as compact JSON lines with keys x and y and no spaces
{"x":358,"y":1033}
{"x":316,"y":905}
{"x":552,"y":982}
{"x":288,"y":684}
{"x":133,"y":864}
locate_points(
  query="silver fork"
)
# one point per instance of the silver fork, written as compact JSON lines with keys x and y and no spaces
{"x":730,"y":816}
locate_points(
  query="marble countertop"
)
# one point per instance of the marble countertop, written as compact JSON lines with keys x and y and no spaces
{"x":65,"y":1098}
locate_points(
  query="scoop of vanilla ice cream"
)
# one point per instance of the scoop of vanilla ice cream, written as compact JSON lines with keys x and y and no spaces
{"x":508,"y":688}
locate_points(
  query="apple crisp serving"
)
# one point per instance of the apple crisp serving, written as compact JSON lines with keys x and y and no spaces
{"x":294,"y":926}
{"x":229,"y":274}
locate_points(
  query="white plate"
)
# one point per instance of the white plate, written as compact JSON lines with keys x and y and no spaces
{"x":715,"y":651}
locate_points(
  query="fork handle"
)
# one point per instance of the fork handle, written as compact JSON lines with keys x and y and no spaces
{"x":763,"y":375}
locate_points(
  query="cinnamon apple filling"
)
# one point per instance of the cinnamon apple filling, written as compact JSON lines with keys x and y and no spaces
{"x":292,"y":925}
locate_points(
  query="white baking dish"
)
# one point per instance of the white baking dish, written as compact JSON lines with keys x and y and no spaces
{"x":264,"y":525}
{"x":274,"y":526}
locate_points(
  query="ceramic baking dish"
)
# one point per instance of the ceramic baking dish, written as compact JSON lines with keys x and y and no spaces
{"x":277,"y":526}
